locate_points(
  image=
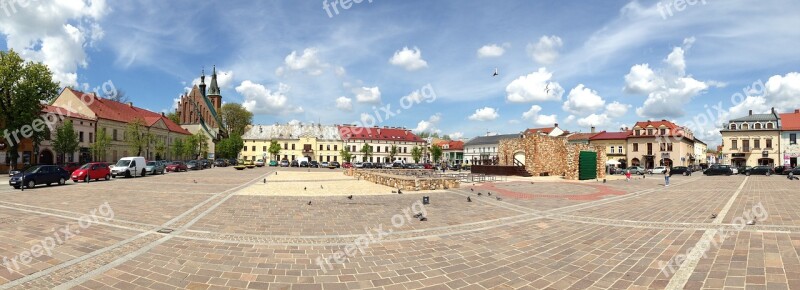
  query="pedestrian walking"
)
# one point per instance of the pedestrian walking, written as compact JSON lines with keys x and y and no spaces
{"x":667,"y":173}
{"x":628,"y":175}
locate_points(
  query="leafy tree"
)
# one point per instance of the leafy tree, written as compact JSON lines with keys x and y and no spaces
{"x":416,"y":154}
{"x":101,"y":142}
{"x":174,"y":117}
{"x":436,"y":151}
{"x":178,"y":149}
{"x":161,"y":149}
{"x":446,"y":137}
{"x":345,"y":154}
{"x":275,"y":149}
{"x":136,"y":136}
{"x":392,"y":153}
{"x":229,"y":147}
{"x":367,"y":150}
{"x":198,"y":145}
{"x":24,"y":86}
{"x":66,"y":140}
{"x":189,"y":147}
{"x":235,"y":118}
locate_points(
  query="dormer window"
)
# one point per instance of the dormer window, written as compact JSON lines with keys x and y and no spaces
{"x":649,"y":131}
{"x":770,"y":126}
{"x":733,"y":126}
{"x":757,"y":126}
{"x":745,"y":126}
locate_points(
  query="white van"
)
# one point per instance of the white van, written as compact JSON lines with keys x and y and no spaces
{"x":129,"y":167}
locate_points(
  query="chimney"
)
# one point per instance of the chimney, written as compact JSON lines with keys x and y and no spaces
{"x":773,"y":110}
{"x":593,"y":129}
{"x":797,"y":111}
{"x":556,"y":125}
{"x":163,"y":115}
{"x":130,"y":104}
{"x":750,"y":113}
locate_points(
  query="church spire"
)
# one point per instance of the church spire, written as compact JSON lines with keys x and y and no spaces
{"x":213,"y":90}
{"x":203,"y":82}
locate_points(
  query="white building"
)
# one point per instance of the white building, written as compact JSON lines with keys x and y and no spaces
{"x":789,"y":149}
{"x":483,"y":149}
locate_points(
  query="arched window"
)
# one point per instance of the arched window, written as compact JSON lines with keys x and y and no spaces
{"x":770,"y":126}
{"x":733,"y":126}
{"x":745,"y":126}
{"x":757,"y":126}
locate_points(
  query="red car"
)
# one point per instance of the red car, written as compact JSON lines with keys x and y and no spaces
{"x":70,"y":166}
{"x":177,"y":166}
{"x":347,"y":165}
{"x":89,"y":171}
{"x":427,"y":166}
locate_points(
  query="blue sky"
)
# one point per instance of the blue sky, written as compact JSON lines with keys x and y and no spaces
{"x":577,"y":63}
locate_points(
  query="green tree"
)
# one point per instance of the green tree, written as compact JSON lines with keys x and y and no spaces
{"x":229,"y":147}
{"x":101,"y":142}
{"x":345,"y":154}
{"x":174,"y":117}
{"x":447,"y":137}
{"x":189,"y":147}
{"x":367,"y":150}
{"x":161,"y":149}
{"x":136,"y":136}
{"x":436,"y":151}
{"x":198,"y":145}
{"x":178,"y":149}
{"x":392,"y":153}
{"x":24,"y":86}
{"x":275,"y":149}
{"x":235,"y":118}
{"x":416,"y":154}
{"x":66,"y":140}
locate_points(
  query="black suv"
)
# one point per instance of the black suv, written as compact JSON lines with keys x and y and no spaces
{"x":719,"y":169}
{"x":760,"y":170}
{"x":334,"y":164}
{"x":313,"y":164}
{"x":682,"y":170}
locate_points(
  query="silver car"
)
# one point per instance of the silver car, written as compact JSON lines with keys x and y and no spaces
{"x":155,"y":167}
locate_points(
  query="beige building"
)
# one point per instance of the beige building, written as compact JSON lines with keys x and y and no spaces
{"x":615,"y":144}
{"x":752,"y":140}
{"x":83,"y":126}
{"x":381,"y":140}
{"x":316,"y":142}
{"x":659,"y":143}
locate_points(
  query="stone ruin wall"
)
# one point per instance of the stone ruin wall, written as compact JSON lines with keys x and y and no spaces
{"x":553,"y":156}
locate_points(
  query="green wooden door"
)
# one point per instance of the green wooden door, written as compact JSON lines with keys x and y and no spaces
{"x":587,"y":165}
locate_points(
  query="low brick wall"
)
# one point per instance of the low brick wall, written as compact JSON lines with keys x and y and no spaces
{"x":404,"y":179}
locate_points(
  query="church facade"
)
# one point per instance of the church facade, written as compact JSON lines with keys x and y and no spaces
{"x":198,"y":111}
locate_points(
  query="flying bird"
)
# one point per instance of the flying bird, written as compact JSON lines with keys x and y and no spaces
{"x":547,"y":88}
{"x":495,"y":73}
{"x":350,"y":196}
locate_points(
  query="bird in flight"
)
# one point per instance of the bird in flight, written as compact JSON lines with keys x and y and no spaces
{"x":495,"y":73}
{"x":547,"y":89}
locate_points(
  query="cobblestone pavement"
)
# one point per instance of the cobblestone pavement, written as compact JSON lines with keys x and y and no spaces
{"x":200,"y":230}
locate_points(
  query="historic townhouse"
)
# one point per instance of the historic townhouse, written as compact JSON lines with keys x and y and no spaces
{"x":452,"y":151}
{"x":314,"y":141}
{"x":789,"y":149}
{"x":615,"y":144}
{"x":660,"y":143}
{"x":381,"y":141}
{"x":483,"y":150}
{"x":752,"y":140}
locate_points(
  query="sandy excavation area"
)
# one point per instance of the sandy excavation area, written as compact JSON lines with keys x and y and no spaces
{"x":292,"y":183}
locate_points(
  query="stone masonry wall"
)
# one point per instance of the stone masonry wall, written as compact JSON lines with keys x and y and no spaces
{"x":553,"y":156}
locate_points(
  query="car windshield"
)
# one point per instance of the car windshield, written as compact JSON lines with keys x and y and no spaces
{"x":123,"y":163}
{"x":32,"y":169}
{"x":176,"y":163}
{"x":151,"y":163}
{"x":86,"y":166}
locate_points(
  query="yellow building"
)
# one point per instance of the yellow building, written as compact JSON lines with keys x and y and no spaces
{"x":316,"y":142}
{"x":660,"y":143}
{"x":752,"y":140}
{"x":616,"y":144}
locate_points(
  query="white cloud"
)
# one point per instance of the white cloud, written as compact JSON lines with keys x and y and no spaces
{"x":294,"y":122}
{"x":491,"y":50}
{"x":456,"y":136}
{"x":617,"y":109}
{"x":344,"y":104}
{"x":56,"y":33}
{"x":534,"y":87}
{"x":308,"y":62}
{"x":540,"y":120}
{"x":429,"y":125}
{"x":368,"y":95}
{"x":260,"y":100}
{"x":546,"y":50}
{"x":782,"y":91}
{"x":484,"y":114}
{"x":669,"y":90}
{"x":582,"y":100}
{"x":569,"y":119}
{"x":409,"y":59}
{"x":597,"y":120}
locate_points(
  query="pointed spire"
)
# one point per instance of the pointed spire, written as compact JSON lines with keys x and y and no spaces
{"x":213,"y":90}
{"x":203,"y":82}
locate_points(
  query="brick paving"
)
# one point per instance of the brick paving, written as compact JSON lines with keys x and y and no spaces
{"x":589,"y":235}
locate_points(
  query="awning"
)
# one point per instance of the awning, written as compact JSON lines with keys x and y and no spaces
{"x":612,"y":162}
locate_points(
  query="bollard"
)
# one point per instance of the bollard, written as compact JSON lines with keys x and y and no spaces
{"x":426,"y":200}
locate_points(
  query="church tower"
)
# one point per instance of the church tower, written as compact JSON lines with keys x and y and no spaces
{"x":213,"y":91}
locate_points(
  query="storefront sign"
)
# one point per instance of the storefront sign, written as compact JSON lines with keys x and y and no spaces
{"x":737,"y":155}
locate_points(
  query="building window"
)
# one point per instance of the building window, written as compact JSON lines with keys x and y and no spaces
{"x":746,"y":145}
{"x":745,"y":126}
{"x":663,"y":132}
{"x":264,"y":148}
{"x":379,"y":148}
{"x":734,"y":144}
{"x":285,"y":146}
{"x":770,"y":126}
{"x":292,"y":146}
{"x":637,"y":132}
{"x":733,"y":126}
{"x":334,"y":158}
{"x":335,"y":148}
{"x":757,"y":143}
{"x":792,"y":139}
{"x":244,"y":148}
{"x":669,"y":147}
{"x":91,"y":137}
{"x":620,"y":149}
{"x":254,"y":148}
{"x":320,"y":147}
{"x":662,"y":146}
{"x":612,"y":149}
{"x":635,"y":147}
{"x":769,"y":143}
{"x":757,"y":126}
{"x":649,"y":131}
{"x":80,"y":137}
{"x":115,"y":135}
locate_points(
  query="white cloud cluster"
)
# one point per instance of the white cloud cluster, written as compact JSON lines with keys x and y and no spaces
{"x":540,"y":120}
{"x":410,"y":59}
{"x":546,"y":50}
{"x":260,"y":100}
{"x":534,"y":87}
{"x":485,"y":114}
{"x":456,"y":136}
{"x":344,"y":103}
{"x":582,"y":100}
{"x":491,"y":50}
{"x":56,"y":33}
{"x":308,"y":62}
{"x":429,"y":125}
{"x":368,"y":95}
{"x":668,"y":90}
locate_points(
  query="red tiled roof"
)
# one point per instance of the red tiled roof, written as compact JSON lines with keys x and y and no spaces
{"x":383,"y":134}
{"x":452,"y":145}
{"x":116,"y":111}
{"x":64,"y":112}
{"x":656,"y":124}
{"x":611,"y":136}
{"x":541,"y":130}
{"x":791,"y":121}
{"x":581,"y":136}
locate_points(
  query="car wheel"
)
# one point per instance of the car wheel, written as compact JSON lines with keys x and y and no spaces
{"x":127,"y":173}
{"x":62,"y":181}
{"x":31,"y":184}
{"x":748,"y":174}
{"x":768,"y":173}
{"x":143,"y":172}
{"x":108,"y":177}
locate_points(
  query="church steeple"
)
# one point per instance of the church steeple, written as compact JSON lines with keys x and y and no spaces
{"x":203,"y":82}
{"x":213,"y":90}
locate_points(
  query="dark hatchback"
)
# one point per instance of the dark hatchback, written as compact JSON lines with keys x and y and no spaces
{"x":40,"y":174}
{"x":760,"y":170}
{"x":682,"y":170}
{"x":334,"y":164}
{"x":718,"y":169}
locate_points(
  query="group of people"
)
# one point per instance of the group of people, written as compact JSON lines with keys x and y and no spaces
{"x":667,"y":173}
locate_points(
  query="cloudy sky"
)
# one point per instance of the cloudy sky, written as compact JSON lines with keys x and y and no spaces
{"x":430,"y":64}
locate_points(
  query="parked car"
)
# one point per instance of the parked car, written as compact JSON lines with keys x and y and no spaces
{"x":366,"y":165}
{"x":93,"y":170}
{"x":718,"y":169}
{"x":347,"y":165}
{"x":313,"y":163}
{"x":294,"y":164}
{"x":129,"y":167}
{"x":205,"y":163}
{"x":284,"y":163}
{"x":734,"y":170}
{"x":154,"y":167}
{"x":71,"y":166}
{"x":782,"y":170}
{"x":377,"y":165}
{"x":260,"y":163}
{"x":273,"y":163}
{"x":39,"y":174}
{"x":233,"y":162}
{"x":636,"y":170}
{"x":682,"y":170}
{"x":760,"y":170}
{"x":335,"y":164}
{"x":176,"y":166}
{"x":193,"y":165}
{"x":455,"y":167}
{"x":658,"y":170}
{"x":324,"y":164}
{"x":221,"y":162}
